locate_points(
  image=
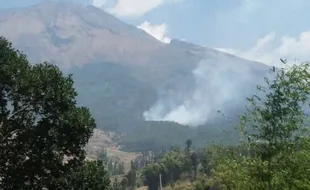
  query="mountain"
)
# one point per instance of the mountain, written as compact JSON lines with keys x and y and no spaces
{"x":130,"y":80}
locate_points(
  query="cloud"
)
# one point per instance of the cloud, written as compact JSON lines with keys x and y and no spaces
{"x":269,"y":49}
{"x":130,"y":7}
{"x":157,"y":31}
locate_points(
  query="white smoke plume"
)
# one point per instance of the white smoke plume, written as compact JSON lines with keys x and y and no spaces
{"x":221,"y":83}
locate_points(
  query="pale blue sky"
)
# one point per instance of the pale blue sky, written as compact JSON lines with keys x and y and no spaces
{"x":234,"y":25}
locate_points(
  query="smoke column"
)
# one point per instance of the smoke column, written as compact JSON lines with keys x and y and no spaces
{"x":222,"y":83}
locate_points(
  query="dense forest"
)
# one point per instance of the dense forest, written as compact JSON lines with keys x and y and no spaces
{"x":43,"y":132}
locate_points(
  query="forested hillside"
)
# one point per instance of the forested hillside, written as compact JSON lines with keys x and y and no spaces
{"x":121,"y":73}
{"x":273,"y":150}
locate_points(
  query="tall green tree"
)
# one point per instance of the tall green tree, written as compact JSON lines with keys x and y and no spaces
{"x":103,"y":156}
{"x":275,"y":136}
{"x":278,"y":118}
{"x":121,"y":169}
{"x":187,"y":159}
{"x":151,"y":173}
{"x":110,"y":166}
{"x":194,"y":159}
{"x":174,"y":162}
{"x":189,"y":144}
{"x":132,"y":178}
{"x":40,"y":123}
{"x":115,"y":167}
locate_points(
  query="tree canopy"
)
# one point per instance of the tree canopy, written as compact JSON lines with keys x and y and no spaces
{"x":92,"y":175}
{"x":42,"y":130}
{"x":274,"y":152}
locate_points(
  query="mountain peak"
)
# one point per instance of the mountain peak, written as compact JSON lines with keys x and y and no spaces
{"x":70,"y":34}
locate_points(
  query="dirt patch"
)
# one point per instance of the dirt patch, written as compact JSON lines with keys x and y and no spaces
{"x":102,"y":140}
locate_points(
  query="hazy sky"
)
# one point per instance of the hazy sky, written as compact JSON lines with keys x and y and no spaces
{"x":261,"y":30}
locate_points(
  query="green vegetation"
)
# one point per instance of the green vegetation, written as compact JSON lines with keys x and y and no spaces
{"x":43,"y":134}
{"x":42,"y":130}
{"x":277,"y":154}
{"x":156,"y":135}
{"x":273,"y":151}
{"x":92,"y":175}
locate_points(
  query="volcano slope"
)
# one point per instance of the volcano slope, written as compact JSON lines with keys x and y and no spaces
{"x":153,"y":94}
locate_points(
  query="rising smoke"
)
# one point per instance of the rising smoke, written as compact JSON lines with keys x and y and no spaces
{"x":222,"y":83}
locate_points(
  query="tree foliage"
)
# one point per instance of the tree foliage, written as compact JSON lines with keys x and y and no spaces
{"x":92,"y":175}
{"x":276,"y":139}
{"x":42,"y":131}
{"x":170,"y":167}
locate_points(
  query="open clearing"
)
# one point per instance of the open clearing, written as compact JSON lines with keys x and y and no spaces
{"x":102,"y":140}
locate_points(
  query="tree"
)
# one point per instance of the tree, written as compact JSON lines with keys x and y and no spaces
{"x":174,"y":162}
{"x":92,"y":175}
{"x":279,"y":117}
{"x":187,"y":160}
{"x":188,"y":144}
{"x":194,"y":159}
{"x":151,"y":173}
{"x":115,"y":168}
{"x":274,"y":132}
{"x":110,"y":166}
{"x":103,"y":156}
{"x":132,"y":178}
{"x":40,"y":123}
{"x":121,"y":169}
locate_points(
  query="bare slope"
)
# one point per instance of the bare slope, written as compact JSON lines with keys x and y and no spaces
{"x":70,"y":34}
{"x":103,"y":140}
